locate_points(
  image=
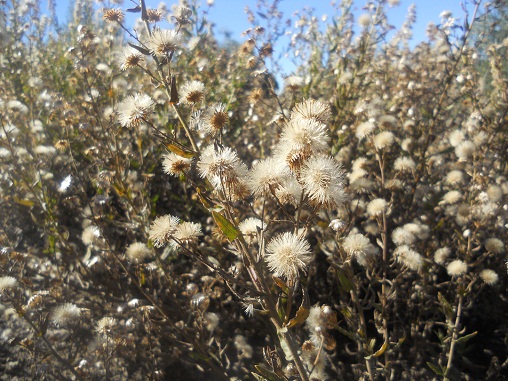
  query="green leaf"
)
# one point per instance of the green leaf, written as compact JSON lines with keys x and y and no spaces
{"x":381,"y":350}
{"x":464,"y":339}
{"x":301,"y":315}
{"x":267,"y":374}
{"x":24,"y":202}
{"x":445,"y":305}
{"x":144,"y":51}
{"x":346,"y":284}
{"x":227,"y":227}
{"x":436,"y":369}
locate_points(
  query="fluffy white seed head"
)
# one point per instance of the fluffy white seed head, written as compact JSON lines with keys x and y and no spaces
{"x":323,"y":180}
{"x":441,"y":254}
{"x":376,"y":207}
{"x":64,"y":314}
{"x":404,"y":164}
{"x":162,"y":229}
{"x":494,"y":245}
{"x":456,"y":268}
{"x":408,"y":257}
{"x":287,"y":254}
{"x":359,"y":247}
{"x":490,"y":277}
{"x":383,"y":140}
{"x":137,"y":252}
{"x":134,"y":109}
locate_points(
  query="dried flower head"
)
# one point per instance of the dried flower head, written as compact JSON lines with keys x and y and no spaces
{"x":65,"y":314}
{"x":192,"y":92}
{"x":489,"y":276}
{"x":323,"y":180}
{"x":359,"y":247}
{"x":221,"y":166}
{"x":137,"y":252}
{"x":163,"y":42}
{"x":287,"y":254}
{"x":408,"y":257}
{"x":451,"y":197}
{"x":465,"y":150}
{"x":300,"y":139}
{"x":494,"y":245}
{"x":215,"y":119}
{"x":7,"y":282}
{"x":267,"y":176}
{"x":364,"y":129}
{"x":162,"y":229}
{"x":456,"y":268}
{"x":293,"y":82}
{"x":383,"y":140}
{"x":113,"y":15}
{"x":181,"y":14}
{"x":187,"y":233}
{"x":134,"y":109}
{"x":130,"y":57}
{"x":175,"y":165}
{"x":105,"y":325}
{"x":249,"y":228}
{"x":313,"y":110}
{"x":90,"y":235}
{"x":403,"y":164}
{"x":441,"y":254}
{"x":256,"y":95}
{"x":154,"y":15}
{"x":377,"y":206}
{"x":455,"y":177}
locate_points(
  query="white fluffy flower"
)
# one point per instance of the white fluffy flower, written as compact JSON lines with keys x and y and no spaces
{"x":383,"y":140}
{"x":494,"y":245}
{"x":287,"y":254}
{"x":163,"y":42}
{"x":249,"y":228}
{"x":456,"y":268}
{"x":376,"y":207}
{"x":187,"y":233}
{"x":162,"y":229}
{"x":7,"y":282}
{"x":364,"y":129}
{"x":313,"y":110}
{"x":404,"y":164}
{"x":441,"y":254}
{"x":359,"y":247}
{"x":134,"y":109}
{"x":300,"y":139}
{"x":137,"y":252}
{"x":451,"y":197}
{"x":489,"y":276}
{"x":175,"y":165}
{"x":408,"y":257}
{"x":323,"y":180}
{"x":192,"y":92}
{"x":465,"y":150}
{"x":267,"y":176}
{"x":65,"y":314}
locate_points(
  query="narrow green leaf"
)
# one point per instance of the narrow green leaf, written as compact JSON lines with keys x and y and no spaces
{"x":436,"y":369}
{"x":446,"y":306}
{"x":144,"y":51}
{"x":267,"y":374}
{"x":227,"y":227}
{"x":346,"y":284}
{"x":301,"y":315}
{"x":464,"y":339}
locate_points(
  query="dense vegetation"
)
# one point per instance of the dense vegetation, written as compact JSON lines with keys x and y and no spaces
{"x":169,"y":211}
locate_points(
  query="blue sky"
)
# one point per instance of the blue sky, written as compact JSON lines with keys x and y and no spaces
{"x":229,"y":15}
